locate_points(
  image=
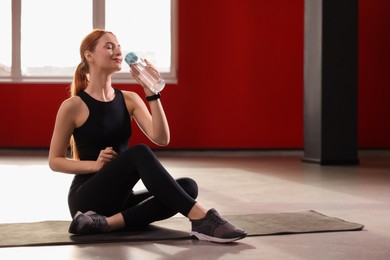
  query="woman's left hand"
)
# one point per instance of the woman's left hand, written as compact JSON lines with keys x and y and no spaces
{"x":150,"y":65}
{"x":148,"y":92}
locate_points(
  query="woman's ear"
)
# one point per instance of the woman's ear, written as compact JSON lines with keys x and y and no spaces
{"x":88,"y":56}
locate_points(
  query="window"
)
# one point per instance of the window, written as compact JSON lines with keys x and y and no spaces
{"x":51,"y":36}
{"x":42,"y":37}
{"x":6,"y":42}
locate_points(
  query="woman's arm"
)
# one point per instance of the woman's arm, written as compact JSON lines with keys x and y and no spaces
{"x":154,"y":123}
{"x":67,"y":119}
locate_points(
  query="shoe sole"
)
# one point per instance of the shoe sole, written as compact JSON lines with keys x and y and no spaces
{"x":204,"y":237}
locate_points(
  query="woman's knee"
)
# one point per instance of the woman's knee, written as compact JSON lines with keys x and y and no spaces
{"x":189,"y":186}
{"x":137,"y":151}
{"x":142,"y":148}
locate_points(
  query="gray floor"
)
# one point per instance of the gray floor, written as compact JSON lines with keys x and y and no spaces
{"x":234,"y":183}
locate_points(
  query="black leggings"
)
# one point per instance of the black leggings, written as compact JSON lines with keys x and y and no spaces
{"x":110,"y":190}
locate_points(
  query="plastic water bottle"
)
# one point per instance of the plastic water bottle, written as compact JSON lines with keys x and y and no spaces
{"x":145,"y":74}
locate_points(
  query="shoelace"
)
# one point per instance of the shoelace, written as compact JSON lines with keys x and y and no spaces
{"x":98,"y":223}
{"x":217,"y":219}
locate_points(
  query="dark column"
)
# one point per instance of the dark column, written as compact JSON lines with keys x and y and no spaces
{"x":331,"y":81}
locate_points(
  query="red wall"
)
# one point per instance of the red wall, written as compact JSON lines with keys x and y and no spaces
{"x":240,"y":80}
{"x":374,"y":72}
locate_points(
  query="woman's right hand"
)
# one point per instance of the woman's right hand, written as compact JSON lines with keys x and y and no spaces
{"x":105,"y":156}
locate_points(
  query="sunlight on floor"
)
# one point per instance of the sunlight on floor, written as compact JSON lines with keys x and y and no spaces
{"x":30,"y":191}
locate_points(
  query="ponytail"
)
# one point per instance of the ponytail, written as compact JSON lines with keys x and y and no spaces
{"x":80,"y":82}
{"x":80,"y":79}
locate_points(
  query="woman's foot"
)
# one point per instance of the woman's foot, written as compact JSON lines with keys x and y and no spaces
{"x":215,"y":229}
{"x":88,"y":223}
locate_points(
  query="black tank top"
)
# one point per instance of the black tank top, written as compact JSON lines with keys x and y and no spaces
{"x":108,"y":125}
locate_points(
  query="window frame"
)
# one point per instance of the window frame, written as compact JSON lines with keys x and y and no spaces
{"x":98,"y":17}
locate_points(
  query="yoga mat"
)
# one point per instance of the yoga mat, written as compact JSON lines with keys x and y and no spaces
{"x":56,"y":232}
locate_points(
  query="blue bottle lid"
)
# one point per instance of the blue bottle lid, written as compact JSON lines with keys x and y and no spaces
{"x":131,"y":57}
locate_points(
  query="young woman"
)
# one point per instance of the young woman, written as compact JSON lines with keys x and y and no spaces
{"x":96,"y":120}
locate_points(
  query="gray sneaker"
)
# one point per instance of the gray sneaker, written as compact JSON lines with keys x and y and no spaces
{"x":88,"y":223}
{"x":216,"y":229}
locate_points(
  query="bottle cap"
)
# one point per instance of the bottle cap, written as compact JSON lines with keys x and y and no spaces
{"x":131,"y":57}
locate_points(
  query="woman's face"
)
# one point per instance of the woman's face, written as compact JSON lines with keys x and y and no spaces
{"x":107,"y":55}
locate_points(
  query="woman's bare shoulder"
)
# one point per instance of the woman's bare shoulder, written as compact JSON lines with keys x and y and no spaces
{"x":132,"y":100}
{"x":130,"y":94}
{"x":71,"y":104}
